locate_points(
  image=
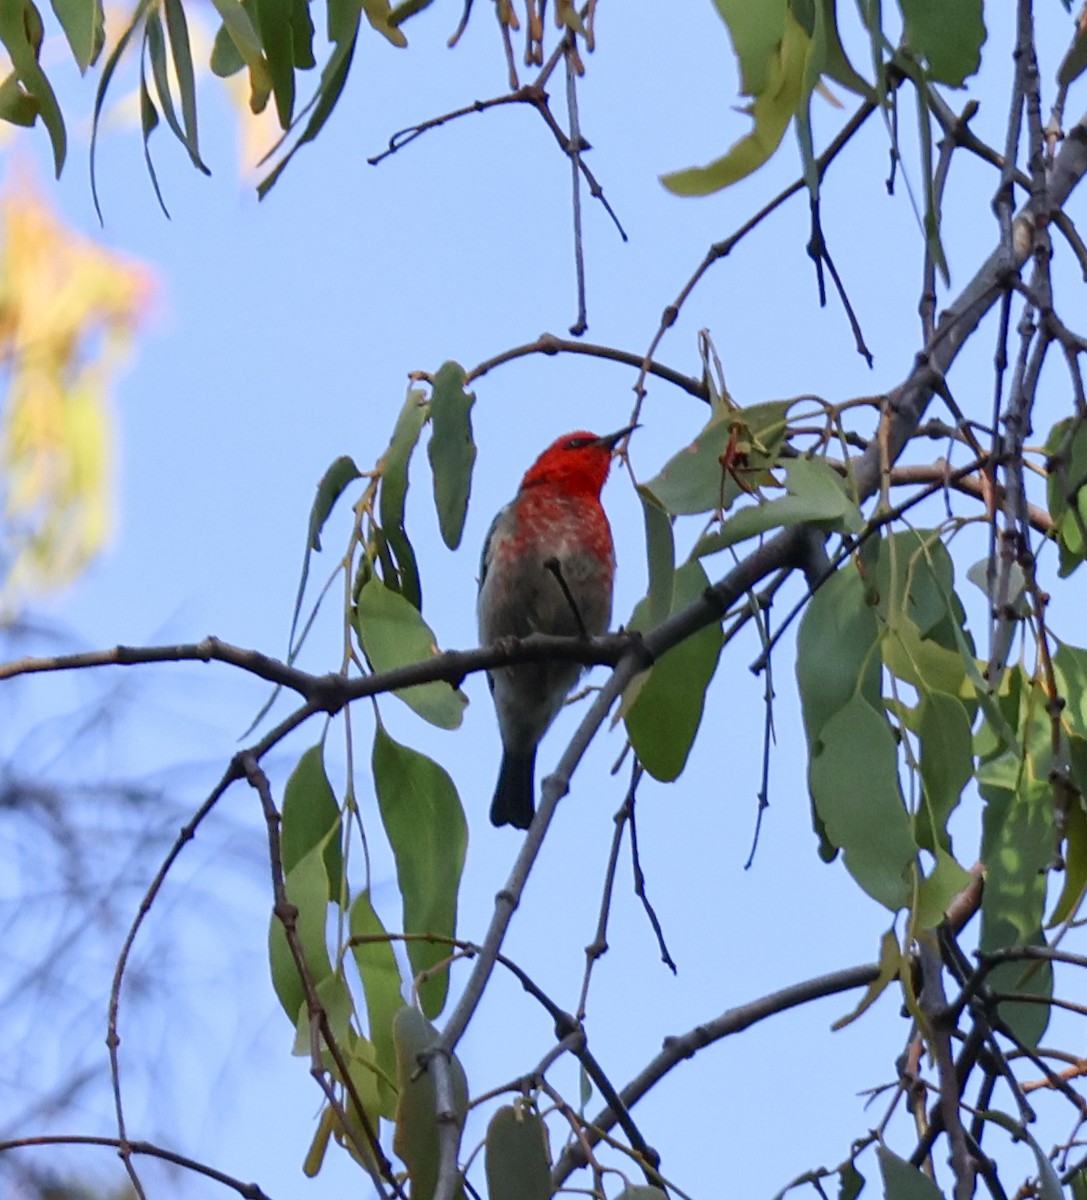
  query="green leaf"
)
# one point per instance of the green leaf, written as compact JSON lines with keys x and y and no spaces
{"x":416,"y":1141}
{"x":240,"y":29}
{"x":277,"y":38}
{"x":311,"y":819}
{"x":1049,"y":1184}
{"x":426,"y":828}
{"x":155,"y":43}
{"x":836,"y":652}
{"x":149,"y":119}
{"x":850,"y":1182}
{"x":855,"y":789}
{"x":947,"y":34}
{"x":381,"y":984}
{"x":914,"y":574}
{"x":307,"y":890}
{"x":660,"y":552}
{"x":225,"y":59}
{"x":452,"y":452}
{"x":923,"y":663}
{"x":331,"y":486}
{"x":890,"y":966}
{"x":394,"y":488}
{"x":378,"y":13}
{"x":838,"y":66}
{"x":1018,"y":845}
{"x":17,"y":107}
{"x":837,"y":658}
{"x":756,"y":31}
{"x":339,"y":475}
{"x":947,"y":765}
{"x":84,"y":27}
{"x":663,"y":720}
{"x":694,"y":481}
{"x":772,"y":110}
{"x":21,"y":32}
{"x":110,"y":66}
{"x":393,"y":634}
{"x":516,"y":1158}
{"x":302,"y":35}
{"x":1074,"y":62}
{"x":937,"y":890}
{"x":817,"y":493}
{"x":902,"y":1180}
{"x":1075,"y":861}
{"x":333,"y":77}
{"x":177,"y":30}
{"x":1066,"y":473}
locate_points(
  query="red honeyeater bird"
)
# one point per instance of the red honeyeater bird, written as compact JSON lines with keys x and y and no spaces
{"x":548,"y":567}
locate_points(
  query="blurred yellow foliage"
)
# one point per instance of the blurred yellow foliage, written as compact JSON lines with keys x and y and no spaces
{"x":69,"y":308}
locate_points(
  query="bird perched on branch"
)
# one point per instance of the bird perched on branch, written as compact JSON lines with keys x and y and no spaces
{"x":548,"y":567}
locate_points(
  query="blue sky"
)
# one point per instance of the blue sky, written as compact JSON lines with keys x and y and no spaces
{"x":283,"y":337}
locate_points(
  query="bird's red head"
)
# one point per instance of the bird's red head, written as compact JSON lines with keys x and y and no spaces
{"x":576,"y":462}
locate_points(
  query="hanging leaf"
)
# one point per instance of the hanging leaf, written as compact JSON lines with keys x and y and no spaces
{"x":855,"y":790}
{"x":416,"y":1141}
{"x":516,"y":1156}
{"x":902,"y":1180}
{"x":817,"y":494}
{"x":837,"y":658}
{"x":425,"y":824}
{"x":452,"y":452}
{"x":663,"y":720}
{"x":695,"y":480}
{"x":84,"y":27}
{"x":277,"y":39}
{"x":890,"y":967}
{"x":660,"y":552}
{"x":772,"y":110}
{"x":381,"y":984}
{"x":947,"y":35}
{"x":21,"y":31}
{"x":393,"y":634}
{"x":947,"y":765}
{"x":307,"y":890}
{"x":311,"y":819}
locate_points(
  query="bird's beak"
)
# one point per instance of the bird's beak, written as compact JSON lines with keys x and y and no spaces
{"x":611,"y":440}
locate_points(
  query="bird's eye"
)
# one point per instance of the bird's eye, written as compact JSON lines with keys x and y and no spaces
{"x":579,"y":443}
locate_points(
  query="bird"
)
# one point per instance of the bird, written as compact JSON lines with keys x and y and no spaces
{"x":548,"y":566}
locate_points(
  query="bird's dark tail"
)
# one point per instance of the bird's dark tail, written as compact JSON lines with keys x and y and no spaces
{"x":513,"y":797}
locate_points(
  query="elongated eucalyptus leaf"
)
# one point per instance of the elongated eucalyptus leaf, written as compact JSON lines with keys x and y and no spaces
{"x":333,"y":77}
{"x":663,"y":720}
{"x":902,"y":1180}
{"x":452,"y":452}
{"x":277,"y":38}
{"x":393,"y":634}
{"x":855,"y":790}
{"x":772,"y":110}
{"x":660,"y":548}
{"x":21,"y":31}
{"x":517,"y":1158}
{"x":84,"y":27}
{"x":425,"y":824}
{"x":696,"y":480}
{"x":756,"y":31}
{"x":307,"y":890}
{"x":311,"y":819}
{"x":947,"y":35}
{"x":381,"y":984}
{"x":416,"y":1140}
